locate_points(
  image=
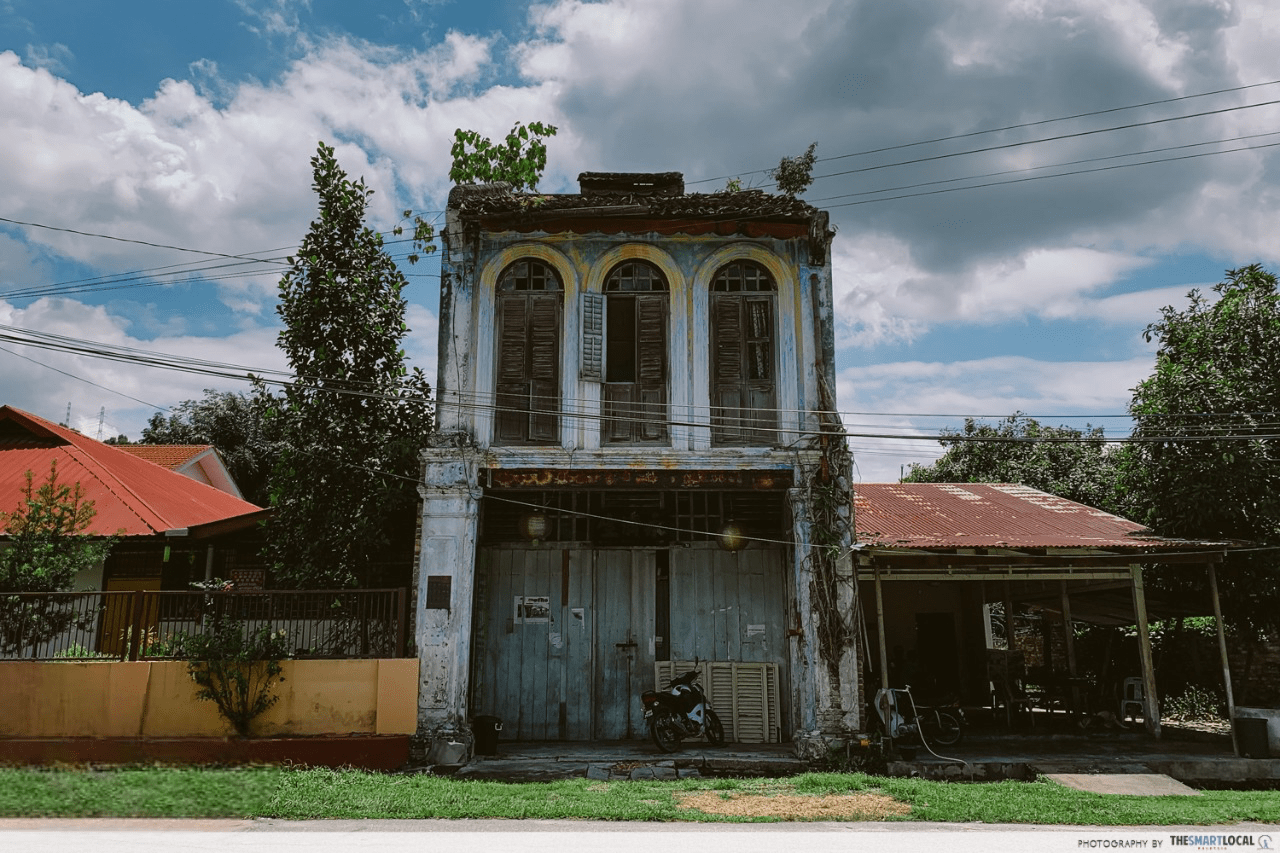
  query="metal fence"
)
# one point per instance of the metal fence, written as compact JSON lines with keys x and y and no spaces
{"x":149,"y":624}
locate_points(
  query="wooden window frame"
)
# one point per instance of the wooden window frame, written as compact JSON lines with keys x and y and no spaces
{"x":744,"y":356}
{"x":529,"y":328}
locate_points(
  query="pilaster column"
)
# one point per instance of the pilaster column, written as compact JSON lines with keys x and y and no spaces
{"x":446,"y":581}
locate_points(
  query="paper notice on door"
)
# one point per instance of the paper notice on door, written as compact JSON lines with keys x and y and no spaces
{"x":753,"y":630}
{"x":556,"y":640}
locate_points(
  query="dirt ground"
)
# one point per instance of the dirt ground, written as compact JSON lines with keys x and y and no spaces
{"x":859,"y":806}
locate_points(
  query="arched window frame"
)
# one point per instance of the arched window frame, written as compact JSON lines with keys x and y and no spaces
{"x":626,"y":348}
{"x":529,"y":308}
{"x":743,"y":357}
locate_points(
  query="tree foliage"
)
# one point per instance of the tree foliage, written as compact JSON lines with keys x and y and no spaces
{"x":237,"y":424}
{"x":47,"y":547}
{"x":1072,"y":463}
{"x":794,"y":174}
{"x":355,"y":417}
{"x":518,"y":160}
{"x":1217,"y":377}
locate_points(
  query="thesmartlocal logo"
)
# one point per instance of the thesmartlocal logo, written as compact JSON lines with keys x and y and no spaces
{"x":1222,"y":842}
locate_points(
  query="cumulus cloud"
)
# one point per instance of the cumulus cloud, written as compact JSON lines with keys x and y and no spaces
{"x":915,"y":397}
{"x":44,"y":381}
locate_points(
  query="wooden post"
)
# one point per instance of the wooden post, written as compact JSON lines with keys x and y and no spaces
{"x":1150,"y":716}
{"x":1071,"y":646}
{"x":884,"y":651}
{"x":1009,"y":637}
{"x":135,"y":625}
{"x":1226,"y":664}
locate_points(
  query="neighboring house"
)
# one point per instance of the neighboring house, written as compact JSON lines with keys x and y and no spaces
{"x":933,"y":557}
{"x":200,"y":462}
{"x":171,"y":529}
{"x":630,"y":381}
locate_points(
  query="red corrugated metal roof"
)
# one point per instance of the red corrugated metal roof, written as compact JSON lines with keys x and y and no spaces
{"x":171,"y":456}
{"x":987,"y":515}
{"x":132,"y":496}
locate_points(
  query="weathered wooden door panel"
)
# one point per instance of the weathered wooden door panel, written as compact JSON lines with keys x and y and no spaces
{"x":532,"y":644}
{"x":728,"y":606}
{"x":624,"y":607}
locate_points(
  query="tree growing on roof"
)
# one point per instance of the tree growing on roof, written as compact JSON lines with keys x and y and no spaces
{"x":1212,"y":470}
{"x":517,"y":160}
{"x":47,"y":548}
{"x":354,"y":418}
{"x":794,"y":174}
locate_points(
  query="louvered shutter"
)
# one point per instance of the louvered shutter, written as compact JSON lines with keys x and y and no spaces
{"x":652,"y":372}
{"x":592,"y":366}
{"x":544,"y":367}
{"x":512,"y":380}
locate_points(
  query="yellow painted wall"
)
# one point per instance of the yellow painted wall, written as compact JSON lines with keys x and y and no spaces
{"x":157,"y":699}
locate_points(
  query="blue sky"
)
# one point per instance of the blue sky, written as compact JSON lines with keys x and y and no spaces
{"x":190,"y":125}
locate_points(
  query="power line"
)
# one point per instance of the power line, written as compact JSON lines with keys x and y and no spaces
{"x":1020,"y":126}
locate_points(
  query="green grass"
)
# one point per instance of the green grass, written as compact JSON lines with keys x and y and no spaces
{"x":301,"y":794}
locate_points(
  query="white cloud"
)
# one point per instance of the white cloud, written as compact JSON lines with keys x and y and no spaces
{"x":906,"y":394}
{"x":44,"y":381}
{"x":54,"y":58}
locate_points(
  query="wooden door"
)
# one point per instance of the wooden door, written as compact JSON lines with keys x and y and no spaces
{"x":624,"y":647}
{"x":563,"y":642}
{"x":728,"y":606}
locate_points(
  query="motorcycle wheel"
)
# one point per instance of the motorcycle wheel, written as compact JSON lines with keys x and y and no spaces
{"x":947,"y":732}
{"x":662,"y":729}
{"x":714,"y":729}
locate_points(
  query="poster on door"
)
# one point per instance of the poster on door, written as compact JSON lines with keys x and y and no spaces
{"x":531,"y":609}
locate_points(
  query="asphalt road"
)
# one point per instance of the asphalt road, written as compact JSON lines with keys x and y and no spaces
{"x":23,"y":835}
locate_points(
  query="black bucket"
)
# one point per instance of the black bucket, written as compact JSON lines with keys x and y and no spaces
{"x":486,"y":729}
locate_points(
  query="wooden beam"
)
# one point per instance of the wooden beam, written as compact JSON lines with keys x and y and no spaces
{"x":884,"y":652}
{"x":927,"y":559}
{"x":1222,"y":650}
{"x":1070,"y":639}
{"x":1150,"y":716}
{"x":1009,"y":574}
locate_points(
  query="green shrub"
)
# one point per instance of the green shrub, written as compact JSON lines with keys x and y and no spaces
{"x":236,"y":667}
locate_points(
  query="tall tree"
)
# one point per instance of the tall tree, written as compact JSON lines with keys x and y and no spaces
{"x":1209,"y":469}
{"x":237,"y":425}
{"x":1072,"y":463}
{"x":355,"y":417}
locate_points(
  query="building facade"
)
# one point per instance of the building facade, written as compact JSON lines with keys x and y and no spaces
{"x":636,"y":466}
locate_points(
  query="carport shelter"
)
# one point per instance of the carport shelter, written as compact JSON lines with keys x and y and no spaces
{"x":942,"y":552}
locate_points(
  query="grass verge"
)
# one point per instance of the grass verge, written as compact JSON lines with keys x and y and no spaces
{"x":310,"y":794}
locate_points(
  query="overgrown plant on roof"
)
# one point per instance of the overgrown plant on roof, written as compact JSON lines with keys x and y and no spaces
{"x":518,"y":160}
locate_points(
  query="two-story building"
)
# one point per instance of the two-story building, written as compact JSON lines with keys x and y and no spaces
{"x":635,"y":404}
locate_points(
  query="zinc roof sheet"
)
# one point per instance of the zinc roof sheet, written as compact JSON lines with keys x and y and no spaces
{"x":132,"y":497}
{"x":171,"y":456}
{"x":988,"y":515}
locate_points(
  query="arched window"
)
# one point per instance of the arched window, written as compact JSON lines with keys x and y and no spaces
{"x":744,"y":390}
{"x":635,"y":354}
{"x":528,"y":363}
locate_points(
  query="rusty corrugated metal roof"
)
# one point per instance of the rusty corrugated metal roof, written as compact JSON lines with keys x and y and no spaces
{"x":171,"y":456}
{"x":132,"y":497}
{"x":988,"y":515}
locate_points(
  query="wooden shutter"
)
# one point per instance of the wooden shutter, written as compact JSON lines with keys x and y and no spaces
{"x":652,"y":341}
{"x":592,"y":366}
{"x":512,"y":381}
{"x":544,"y":367}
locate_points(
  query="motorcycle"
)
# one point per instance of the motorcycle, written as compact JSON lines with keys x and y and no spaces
{"x":681,"y":711}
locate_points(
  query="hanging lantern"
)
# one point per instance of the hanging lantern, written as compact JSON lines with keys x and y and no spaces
{"x":732,"y":537}
{"x":534,"y":526}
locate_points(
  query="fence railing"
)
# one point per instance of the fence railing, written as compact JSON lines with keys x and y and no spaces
{"x":149,"y":624}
